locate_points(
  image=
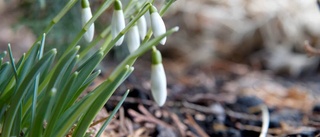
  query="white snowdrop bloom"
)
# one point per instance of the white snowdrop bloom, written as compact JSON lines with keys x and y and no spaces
{"x":133,"y":40}
{"x":157,"y":24}
{"x":118,"y":22}
{"x":86,"y":16}
{"x":158,"y":79}
{"x":142,"y":27}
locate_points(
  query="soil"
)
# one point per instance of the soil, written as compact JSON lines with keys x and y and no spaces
{"x":221,"y":99}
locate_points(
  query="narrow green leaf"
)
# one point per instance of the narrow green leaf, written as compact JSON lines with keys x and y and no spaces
{"x":21,"y":60}
{"x":44,"y":80}
{"x":69,"y":118}
{"x":44,"y":107}
{"x":17,"y":123}
{"x":36,"y":84}
{"x":3,"y":109}
{"x":9,"y":79}
{"x":12,"y":63}
{"x":59,"y":106}
{"x":25,"y":64}
{"x":98,"y":103}
{"x":69,"y":72}
{"x":84,"y":72}
{"x":60,"y":69}
{"x":5,"y":98}
{"x":115,"y":110}
{"x":12,"y":111}
{"x":1,"y":60}
{"x":6,"y":74}
{"x":85,"y":51}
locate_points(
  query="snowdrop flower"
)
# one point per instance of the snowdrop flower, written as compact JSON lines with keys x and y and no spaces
{"x":157,"y":24}
{"x":158,"y":78}
{"x":133,"y":39}
{"x":86,"y":16}
{"x":142,"y":27}
{"x":118,"y":22}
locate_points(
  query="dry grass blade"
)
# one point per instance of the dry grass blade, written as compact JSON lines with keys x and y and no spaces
{"x":139,"y":133}
{"x":146,"y":117}
{"x":196,"y":126}
{"x":311,"y":50}
{"x":181,"y":127}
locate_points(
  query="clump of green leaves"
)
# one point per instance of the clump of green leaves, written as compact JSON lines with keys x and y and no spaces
{"x":39,"y":93}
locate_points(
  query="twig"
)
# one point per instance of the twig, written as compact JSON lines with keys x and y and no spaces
{"x":139,"y":132}
{"x":181,"y":127}
{"x":201,"y":108}
{"x":121,"y":120}
{"x":147,"y":117}
{"x":311,"y":50}
{"x":99,"y":121}
{"x":196,"y":126}
{"x":258,"y":129}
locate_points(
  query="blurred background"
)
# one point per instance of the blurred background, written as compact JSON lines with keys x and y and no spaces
{"x":225,"y":51}
{"x":266,"y":35}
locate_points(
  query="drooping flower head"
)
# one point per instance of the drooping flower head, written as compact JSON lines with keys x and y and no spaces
{"x":118,"y":22}
{"x":86,"y":16}
{"x":157,"y":24}
{"x":142,"y":27}
{"x":133,"y":40}
{"x":158,"y":78}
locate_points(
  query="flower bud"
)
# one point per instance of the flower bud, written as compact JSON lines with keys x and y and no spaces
{"x":158,"y":79}
{"x":86,"y":16}
{"x":133,"y":40}
{"x":157,"y":24}
{"x":118,"y":22}
{"x":142,"y":27}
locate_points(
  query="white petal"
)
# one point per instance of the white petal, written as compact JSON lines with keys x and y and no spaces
{"x":86,"y":16}
{"x":142,"y":26}
{"x":117,"y":24}
{"x":133,"y":39}
{"x":158,"y":84}
{"x":158,"y":26}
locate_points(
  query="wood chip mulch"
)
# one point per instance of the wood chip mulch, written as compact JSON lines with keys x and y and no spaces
{"x":221,"y":99}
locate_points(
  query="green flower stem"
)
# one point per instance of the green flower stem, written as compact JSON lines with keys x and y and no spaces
{"x":107,"y":46}
{"x":141,"y":50}
{"x":127,"y":7}
{"x":101,"y":9}
{"x":166,"y":7}
{"x":161,"y":13}
{"x":115,"y":110}
{"x":85,"y":51}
